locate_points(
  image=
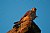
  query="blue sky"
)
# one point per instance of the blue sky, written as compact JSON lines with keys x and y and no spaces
{"x":13,"y":10}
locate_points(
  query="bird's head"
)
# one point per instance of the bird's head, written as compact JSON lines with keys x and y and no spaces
{"x":34,"y":9}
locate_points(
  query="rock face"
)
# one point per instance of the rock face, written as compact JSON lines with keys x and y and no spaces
{"x":26,"y":24}
{"x":26,"y":27}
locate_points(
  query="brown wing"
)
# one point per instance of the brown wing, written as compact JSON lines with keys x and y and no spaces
{"x":25,"y":15}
